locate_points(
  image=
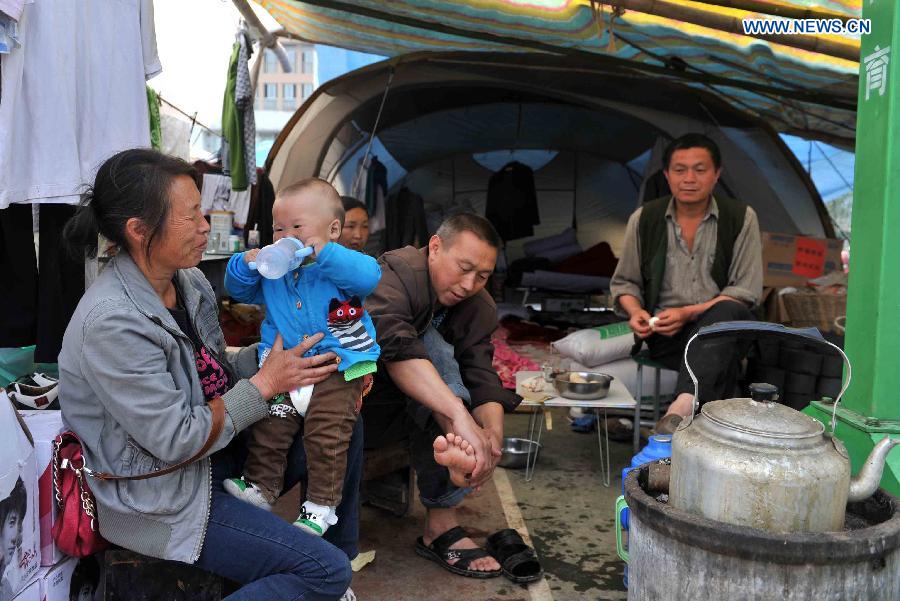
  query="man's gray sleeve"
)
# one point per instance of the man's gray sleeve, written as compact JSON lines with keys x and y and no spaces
{"x":745,"y":276}
{"x":627,"y":278}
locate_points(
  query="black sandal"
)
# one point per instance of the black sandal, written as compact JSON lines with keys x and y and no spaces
{"x":439,"y":551}
{"x":517,"y":560}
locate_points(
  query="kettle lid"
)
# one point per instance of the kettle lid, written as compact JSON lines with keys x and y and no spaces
{"x":769,"y":420}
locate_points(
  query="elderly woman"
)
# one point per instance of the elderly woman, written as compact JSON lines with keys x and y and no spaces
{"x":355,"y":232}
{"x":142,"y":367}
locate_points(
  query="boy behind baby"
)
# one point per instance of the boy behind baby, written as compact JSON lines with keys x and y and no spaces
{"x":325,"y":294}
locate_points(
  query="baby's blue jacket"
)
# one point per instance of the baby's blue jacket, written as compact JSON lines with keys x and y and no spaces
{"x":298,"y":303}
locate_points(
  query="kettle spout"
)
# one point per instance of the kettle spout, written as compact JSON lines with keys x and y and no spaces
{"x":866,"y":482}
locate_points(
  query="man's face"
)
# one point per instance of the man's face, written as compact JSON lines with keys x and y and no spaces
{"x":461,"y":269}
{"x":692,"y":175}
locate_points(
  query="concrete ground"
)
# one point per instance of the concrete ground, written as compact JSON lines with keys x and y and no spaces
{"x":565,"y":511}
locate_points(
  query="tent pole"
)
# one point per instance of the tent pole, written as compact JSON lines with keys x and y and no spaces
{"x":729,"y":24}
{"x":766,"y":7}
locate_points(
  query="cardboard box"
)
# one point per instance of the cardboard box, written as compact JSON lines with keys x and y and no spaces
{"x":32,"y":592}
{"x":72,"y":579}
{"x":792,"y":260}
{"x":19,"y":546}
{"x":45,"y":426}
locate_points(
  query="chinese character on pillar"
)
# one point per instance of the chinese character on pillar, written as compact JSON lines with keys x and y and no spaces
{"x":876,"y":70}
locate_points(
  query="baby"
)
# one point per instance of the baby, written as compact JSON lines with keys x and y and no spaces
{"x":325,"y":294}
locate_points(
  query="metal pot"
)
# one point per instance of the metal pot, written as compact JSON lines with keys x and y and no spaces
{"x":595,"y":385}
{"x":516,"y":451}
{"x":754,"y":462}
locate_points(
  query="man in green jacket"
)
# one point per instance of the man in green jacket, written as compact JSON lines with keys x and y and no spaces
{"x":690,"y":260}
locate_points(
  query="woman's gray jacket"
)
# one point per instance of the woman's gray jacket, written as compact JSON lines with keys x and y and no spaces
{"x":129,"y":389}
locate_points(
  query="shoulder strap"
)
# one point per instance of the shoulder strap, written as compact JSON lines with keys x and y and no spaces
{"x":217,"y":406}
{"x":732,"y":214}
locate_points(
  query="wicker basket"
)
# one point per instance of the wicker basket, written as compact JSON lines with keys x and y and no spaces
{"x":811,"y":309}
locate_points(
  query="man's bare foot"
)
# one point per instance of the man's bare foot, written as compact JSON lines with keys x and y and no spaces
{"x":457,"y":455}
{"x":440,"y":520}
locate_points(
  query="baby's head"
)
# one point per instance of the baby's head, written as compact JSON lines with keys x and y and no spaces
{"x":309,"y":210}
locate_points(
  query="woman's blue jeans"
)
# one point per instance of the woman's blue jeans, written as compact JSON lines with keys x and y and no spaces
{"x":272,"y":558}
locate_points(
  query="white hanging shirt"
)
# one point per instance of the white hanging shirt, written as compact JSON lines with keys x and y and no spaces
{"x":73,"y":94}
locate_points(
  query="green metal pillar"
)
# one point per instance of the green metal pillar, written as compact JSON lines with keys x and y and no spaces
{"x":871,"y":408}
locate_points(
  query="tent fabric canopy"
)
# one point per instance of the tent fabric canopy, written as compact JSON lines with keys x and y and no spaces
{"x":797,"y":91}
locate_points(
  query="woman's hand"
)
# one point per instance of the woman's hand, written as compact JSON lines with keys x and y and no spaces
{"x":284,"y":371}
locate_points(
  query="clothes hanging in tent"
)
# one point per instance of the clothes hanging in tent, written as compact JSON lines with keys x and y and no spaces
{"x":232,"y":153}
{"x":90,"y":103}
{"x":259,"y":201}
{"x":406,"y":224}
{"x":375,"y":193}
{"x":243,"y":100}
{"x":512,"y":202}
{"x":60,"y":282}
{"x":175,"y":137}
{"x":376,"y":179}
{"x":262,"y":197}
{"x":217,"y":194}
{"x":12,"y":8}
{"x":153,"y":116}
{"x":18,"y":263}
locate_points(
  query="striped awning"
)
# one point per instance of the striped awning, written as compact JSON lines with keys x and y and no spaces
{"x":807,"y":88}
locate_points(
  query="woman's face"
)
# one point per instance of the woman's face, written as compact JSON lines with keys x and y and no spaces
{"x":355,"y":233}
{"x":184,"y":238}
{"x":10,"y":538}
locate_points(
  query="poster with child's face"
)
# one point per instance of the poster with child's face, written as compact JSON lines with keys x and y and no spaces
{"x":13,"y":509}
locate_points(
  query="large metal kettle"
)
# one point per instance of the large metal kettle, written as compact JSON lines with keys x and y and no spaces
{"x":755,"y":462}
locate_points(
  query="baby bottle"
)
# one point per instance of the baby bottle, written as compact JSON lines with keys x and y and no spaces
{"x":275,"y":260}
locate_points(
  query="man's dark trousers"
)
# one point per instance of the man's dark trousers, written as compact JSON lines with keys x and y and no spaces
{"x":717,"y":367}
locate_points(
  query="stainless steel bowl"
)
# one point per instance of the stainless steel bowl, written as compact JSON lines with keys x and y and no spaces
{"x":596,"y":387}
{"x":515,"y":452}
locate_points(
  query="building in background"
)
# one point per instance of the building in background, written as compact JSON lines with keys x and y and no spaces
{"x":280,"y":93}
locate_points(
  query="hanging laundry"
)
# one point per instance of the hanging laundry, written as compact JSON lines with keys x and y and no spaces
{"x":243,"y":99}
{"x":239,"y":205}
{"x":262,"y":197}
{"x":232,"y":152}
{"x":375,"y":193}
{"x":512,"y":202}
{"x":406,"y":223}
{"x":175,"y":137}
{"x":153,"y":115}
{"x":12,"y":8}
{"x":18,"y":262}
{"x":216,"y":194}
{"x":238,"y":126}
{"x":9,"y":34}
{"x":91,"y":103}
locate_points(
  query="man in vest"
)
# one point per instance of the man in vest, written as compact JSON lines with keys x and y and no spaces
{"x":690,"y":260}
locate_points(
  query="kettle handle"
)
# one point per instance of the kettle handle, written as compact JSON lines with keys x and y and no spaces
{"x":808,"y":335}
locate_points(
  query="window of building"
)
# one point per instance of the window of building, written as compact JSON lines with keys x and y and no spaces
{"x":291,"y":52}
{"x":289,"y":96}
{"x":270,"y":96}
{"x":307,"y":62}
{"x":270,"y":64}
{"x":307,"y":90}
